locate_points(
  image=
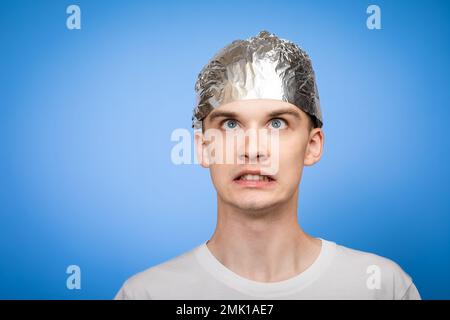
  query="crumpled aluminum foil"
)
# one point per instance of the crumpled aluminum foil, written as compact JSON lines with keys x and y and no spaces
{"x":261,"y":67}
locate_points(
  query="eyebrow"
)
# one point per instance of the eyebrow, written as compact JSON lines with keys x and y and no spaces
{"x":230,"y":114}
{"x":222,"y":114}
{"x":281,"y":112}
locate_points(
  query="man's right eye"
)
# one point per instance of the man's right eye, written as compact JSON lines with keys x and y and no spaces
{"x":230,"y":124}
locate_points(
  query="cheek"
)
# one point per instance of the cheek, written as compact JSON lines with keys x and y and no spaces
{"x":215,"y":173}
{"x":291,"y":158}
{"x":220,"y":175}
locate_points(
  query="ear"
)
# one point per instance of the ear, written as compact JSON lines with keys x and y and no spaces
{"x":314,"y":148}
{"x":201,"y":149}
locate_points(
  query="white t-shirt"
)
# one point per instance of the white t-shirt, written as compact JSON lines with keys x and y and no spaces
{"x":337,"y":273}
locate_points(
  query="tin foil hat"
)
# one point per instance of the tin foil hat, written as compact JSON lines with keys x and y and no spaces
{"x":261,"y":67}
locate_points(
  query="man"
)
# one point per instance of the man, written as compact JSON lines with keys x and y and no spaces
{"x":258,"y":99}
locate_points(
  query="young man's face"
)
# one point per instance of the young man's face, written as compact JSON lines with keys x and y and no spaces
{"x":265,"y":144}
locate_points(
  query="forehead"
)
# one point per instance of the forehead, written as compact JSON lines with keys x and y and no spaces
{"x":255,"y":107}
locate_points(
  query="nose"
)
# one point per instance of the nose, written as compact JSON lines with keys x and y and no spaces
{"x":255,"y":148}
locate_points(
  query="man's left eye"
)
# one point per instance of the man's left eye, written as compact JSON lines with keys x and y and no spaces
{"x":277,"y":124}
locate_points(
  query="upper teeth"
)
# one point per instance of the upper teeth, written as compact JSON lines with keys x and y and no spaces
{"x":254,"y":177}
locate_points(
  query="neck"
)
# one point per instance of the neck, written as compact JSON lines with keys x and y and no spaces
{"x":268,"y":245}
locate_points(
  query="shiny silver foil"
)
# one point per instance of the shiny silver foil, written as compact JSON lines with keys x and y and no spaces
{"x":261,"y":67}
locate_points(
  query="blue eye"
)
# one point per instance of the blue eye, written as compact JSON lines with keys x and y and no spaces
{"x":277,"y":124}
{"x":230,"y":124}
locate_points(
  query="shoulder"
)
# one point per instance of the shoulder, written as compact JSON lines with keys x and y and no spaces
{"x":142,"y":285}
{"x":382,"y":275}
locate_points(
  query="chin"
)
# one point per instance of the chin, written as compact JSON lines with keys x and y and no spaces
{"x":255,"y":205}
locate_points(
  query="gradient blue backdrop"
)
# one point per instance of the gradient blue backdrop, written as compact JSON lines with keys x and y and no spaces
{"x":86,"y":118}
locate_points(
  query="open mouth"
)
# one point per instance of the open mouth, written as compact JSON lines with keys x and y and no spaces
{"x":254,"y":177}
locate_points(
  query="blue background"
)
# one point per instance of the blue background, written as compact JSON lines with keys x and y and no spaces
{"x":86,"y":118}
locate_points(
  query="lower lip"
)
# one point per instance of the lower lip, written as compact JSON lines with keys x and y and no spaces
{"x":255,"y":184}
